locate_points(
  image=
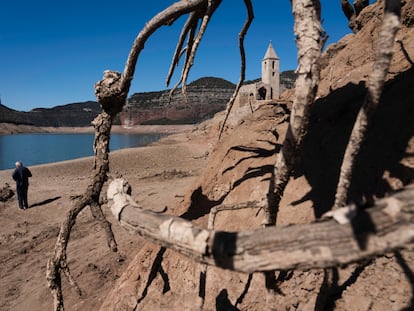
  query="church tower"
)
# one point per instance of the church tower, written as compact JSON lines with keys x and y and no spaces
{"x":270,"y":73}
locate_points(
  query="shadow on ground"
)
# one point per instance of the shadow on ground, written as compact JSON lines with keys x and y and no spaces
{"x":44,"y":202}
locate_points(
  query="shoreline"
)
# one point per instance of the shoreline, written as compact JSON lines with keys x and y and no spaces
{"x":124,"y":152}
{"x":166,"y":130}
{"x":10,"y":129}
{"x":159,"y":176}
{"x":75,"y":161}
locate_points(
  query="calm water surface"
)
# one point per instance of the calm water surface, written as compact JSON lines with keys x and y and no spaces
{"x":33,"y":149}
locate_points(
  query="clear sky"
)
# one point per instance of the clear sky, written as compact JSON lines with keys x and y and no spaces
{"x":52,"y":52}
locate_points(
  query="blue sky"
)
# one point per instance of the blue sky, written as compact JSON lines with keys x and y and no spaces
{"x":52,"y":52}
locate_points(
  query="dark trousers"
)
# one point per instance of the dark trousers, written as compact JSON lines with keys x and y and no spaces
{"x":22,"y":196}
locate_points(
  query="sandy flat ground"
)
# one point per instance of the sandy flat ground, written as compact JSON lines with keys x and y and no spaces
{"x":159,"y":174}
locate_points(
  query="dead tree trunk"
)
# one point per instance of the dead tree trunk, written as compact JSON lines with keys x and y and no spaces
{"x":310,"y":40}
{"x":373,"y":232}
{"x":57,"y":264}
{"x":383,"y":56}
{"x":111,"y":93}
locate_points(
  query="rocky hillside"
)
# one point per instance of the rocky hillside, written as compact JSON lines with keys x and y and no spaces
{"x":240,"y":169}
{"x":237,"y":169}
{"x":76,"y":114}
{"x":206,"y":96}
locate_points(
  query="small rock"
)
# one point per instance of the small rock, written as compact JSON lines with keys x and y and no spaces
{"x":6,"y":193}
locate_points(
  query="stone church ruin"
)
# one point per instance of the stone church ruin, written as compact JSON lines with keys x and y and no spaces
{"x":269,"y":86}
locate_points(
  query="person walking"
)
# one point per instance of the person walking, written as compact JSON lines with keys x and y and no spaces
{"x":21,"y":175}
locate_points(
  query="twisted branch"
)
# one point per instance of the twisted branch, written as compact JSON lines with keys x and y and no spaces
{"x":211,"y":7}
{"x":378,"y":230}
{"x":242,"y":34}
{"x":189,"y":29}
{"x":310,"y":39}
{"x":384,"y":52}
{"x":352,"y":12}
{"x":111,"y":93}
{"x":58,"y":263}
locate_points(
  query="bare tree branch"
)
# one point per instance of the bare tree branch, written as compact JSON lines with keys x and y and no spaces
{"x":242,"y":34}
{"x":384,"y":52}
{"x":359,"y":5}
{"x":111,"y":93}
{"x":105,"y":224}
{"x":372,"y":232}
{"x":310,"y":40}
{"x":189,"y":29}
{"x":163,"y":18}
{"x":352,"y":12}
{"x":57,"y":263}
{"x":347,"y":9}
{"x":381,"y":229}
{"x":212,"y":6}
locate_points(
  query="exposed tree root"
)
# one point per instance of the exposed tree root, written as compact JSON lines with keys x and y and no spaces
{"x":386,"y":227}
{"x":242,"y":34}
{"x":58,"y":263}
{"x":310,"y":39}
{"x":372,"y":232}
{"x":383,"y":56}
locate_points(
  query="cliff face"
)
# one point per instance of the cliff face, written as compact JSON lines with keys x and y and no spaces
{"x":205,"y":97}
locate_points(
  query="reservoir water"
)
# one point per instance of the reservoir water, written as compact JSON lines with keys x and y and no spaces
{"x":33,"y":149}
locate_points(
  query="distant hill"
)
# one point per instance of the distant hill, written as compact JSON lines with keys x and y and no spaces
{"x":75,"y":114}
{"x":212,"y":82}
{"x":206,"y":96}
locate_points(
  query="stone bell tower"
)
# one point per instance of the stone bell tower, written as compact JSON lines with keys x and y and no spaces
{"x":270,"y":73}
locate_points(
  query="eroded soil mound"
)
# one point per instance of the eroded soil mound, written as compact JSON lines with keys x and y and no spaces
{"x":240,"y":167}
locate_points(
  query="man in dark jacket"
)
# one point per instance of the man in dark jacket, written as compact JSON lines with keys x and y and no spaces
{"x":21,"y":175}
